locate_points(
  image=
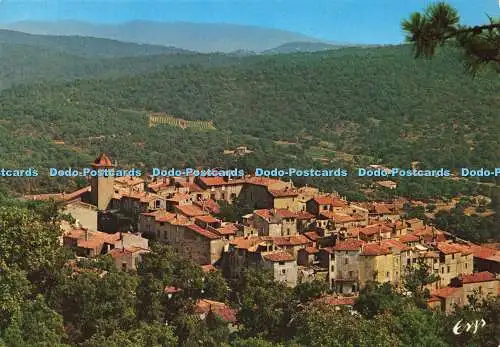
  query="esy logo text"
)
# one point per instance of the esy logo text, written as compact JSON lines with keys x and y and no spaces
{"x":459,"y":328}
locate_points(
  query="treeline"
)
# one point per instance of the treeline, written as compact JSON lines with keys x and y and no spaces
{"x":51,"y":299}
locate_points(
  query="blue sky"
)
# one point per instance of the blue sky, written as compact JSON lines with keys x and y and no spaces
{"x":355,"y":21}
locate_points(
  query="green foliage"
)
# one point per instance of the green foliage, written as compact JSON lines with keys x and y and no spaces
{"x":92,"y":303}
{"x":35,"y":325}
{"x":26,"y":240}
{"x":416,"y":277}
{"x":375,"y":299}
{"x":145,"y":335}
{"x":441,"y":23}
{"x":307,"y":291}
{"x":328,"y":327}
{"x":264,"y":310}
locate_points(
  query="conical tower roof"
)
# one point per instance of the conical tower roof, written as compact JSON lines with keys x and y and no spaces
{"x":102,"y":161}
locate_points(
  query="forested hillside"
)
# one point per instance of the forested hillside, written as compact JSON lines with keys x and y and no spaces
{"x":373,"y":104}
{"x":28,"y":64}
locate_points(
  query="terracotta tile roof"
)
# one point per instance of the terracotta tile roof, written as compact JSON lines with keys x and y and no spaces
{"x":373,"y":249}
{"x":444,"y":292}
{"x":207,"y":219}
{"x":209,"y":205}
{"x":342,"y":218}
{"x":374,"y":229}
{"x":477,"y":277}
{"x":173,"y":218}
{"x":311,"y":250}
{"x":349,"y":245}
{"x":227,"y":229}
{"x":220,"y":309}
{"x":283,"y":193}
{"x":279,"y":256}
{"x":395,"y":244}
{"x":190,"y":210}
{"x":329,"y":200}
{"x":81,"y":234}
{"x":381,"y":209}
{"x":304,"y":215}
{"x":245,"y":242}
{"x":295,"y":240}
{"x":448,"y":248}
{"x":102,"y":161}
{"x":409,"y":238}
{"x":483,"y":252}
{"x":312,"y":235}
{"x":203,"y":232}
{"x":59,"y":196}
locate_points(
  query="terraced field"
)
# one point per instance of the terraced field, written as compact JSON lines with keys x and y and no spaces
{"x":156,"y":119}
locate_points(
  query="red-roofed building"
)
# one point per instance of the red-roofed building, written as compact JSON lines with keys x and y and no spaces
{"x":274,"y":222}
{"x":221,"y":188}
{"x":267,"y":193}
{"x":127,"y":258}
{"x":483,"y":285}
{"x":376,"y":264}
{"x":204,"y":306}
{"x":326,"y":203}
{"x":283,"y":265}
{"x":343,"y":266}
{"x":454,"y":260}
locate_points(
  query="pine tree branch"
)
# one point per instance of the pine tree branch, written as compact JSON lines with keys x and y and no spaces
{"x":472,"y":30}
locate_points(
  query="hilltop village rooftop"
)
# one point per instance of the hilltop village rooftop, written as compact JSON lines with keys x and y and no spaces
{"x":298,"y":233}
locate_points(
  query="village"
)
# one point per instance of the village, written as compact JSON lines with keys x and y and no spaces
{"x":300,"y":234}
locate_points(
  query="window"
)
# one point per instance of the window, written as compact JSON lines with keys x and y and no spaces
{"x":387,"y":274}
{"x":346,"y":261}
{"x":350,"y":274}
{"x":283,"y":271}
{"x":333,"y":268}
{"x":453,"y":256}
{"x":408,"y":262}
{"x":288,"y":231}
{"x":442,"y":270}
{"x":157,"y":204}
{"x":325,"y":207}
{"x":281,"y":263}
{"x":448,"y":269}
{"x":466,"y":265}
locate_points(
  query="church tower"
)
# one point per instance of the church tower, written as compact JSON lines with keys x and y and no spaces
{"x":102,"y":187}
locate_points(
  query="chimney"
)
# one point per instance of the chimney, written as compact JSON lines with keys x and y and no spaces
{"x":86,"y":234}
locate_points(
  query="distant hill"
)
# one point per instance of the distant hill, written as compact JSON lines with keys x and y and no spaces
{"x":86,"y":46}
{"x":295,"y":47}
{"x":200,"y":37}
